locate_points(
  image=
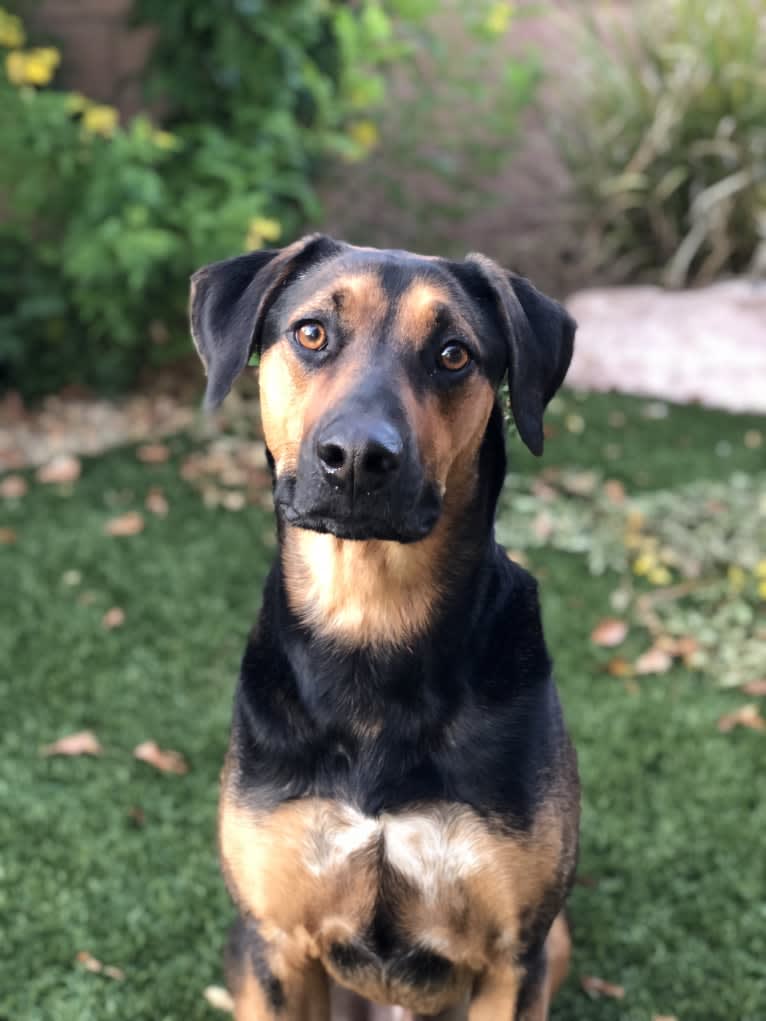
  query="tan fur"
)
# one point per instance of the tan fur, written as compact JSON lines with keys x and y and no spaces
{"x":559,"y":951}
{"x":418,"y":307}
{"x":311,"y":869}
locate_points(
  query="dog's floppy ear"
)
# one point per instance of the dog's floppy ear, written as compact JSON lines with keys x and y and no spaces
{"x":539,"y":333}
{"x":229,"y":300}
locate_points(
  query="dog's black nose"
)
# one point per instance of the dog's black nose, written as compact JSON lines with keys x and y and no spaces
{"x":366,"y":455}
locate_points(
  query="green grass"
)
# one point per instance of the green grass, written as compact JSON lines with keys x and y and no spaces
{"x":674,"y":815}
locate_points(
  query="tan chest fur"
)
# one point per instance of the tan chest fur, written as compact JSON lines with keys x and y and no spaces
{"x":314,"y":872}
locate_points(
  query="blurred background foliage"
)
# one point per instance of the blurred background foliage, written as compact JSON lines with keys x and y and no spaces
{"x":408,"y":116}
{"x":103,"y":222}
{"x":668,"y":161}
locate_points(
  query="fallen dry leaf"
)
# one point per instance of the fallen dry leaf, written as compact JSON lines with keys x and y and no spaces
{"x":654,"y":661}
{"x":113,"y":618}
{"x":156,"y":502}
{"x":746,"y":716}
{"x":219,"y":998}
{"x":664,"y":1017}
{"x":7,"y":536}
{"x":233,"y":500}
{"x":609,"y":632}
{"x":126,"y":524}
{"x":13,"y":487}
{"x":137,"y":816}
{"x":84,"y":742}
{"x":619,"y":667}
{"x":598,"y":987}
{"x":161,"y":758}
{"x":64,"y":468}
{"x":543,"y":525}
{"x":589,"y":882}
{"x":91,"y":963}
{"x":614,"y":491}
{"x":153,"y":453}
{"x":755,"y":687}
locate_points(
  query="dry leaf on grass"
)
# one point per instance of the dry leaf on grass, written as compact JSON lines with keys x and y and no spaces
{"x":113,"y":618}
{"x":156,"y":502}
{"x":664,"y":1017}
{"x":91,"y":963}
{"x":126,"y":524}
{"x":755,"y":687}
{"x":163,"y":759}
{"x":219,"y":998}
{"x":61,"y":469}
{"x":609,"y":632}
{"x":233,"y":500}
{"x":746,"y":716}
{"x":153,"y":453}
{"x":84,"y":742}
{"x":13,"y":487}
{"x":594,"y":986}
{"x":7,"y":536}
{"x":137,"y":816}
{"x":619,"y":667}
{"x":654,"y":661}
{"x":614,"y":491}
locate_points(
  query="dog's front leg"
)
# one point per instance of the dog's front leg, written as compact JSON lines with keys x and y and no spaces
{"x":273,"y":983}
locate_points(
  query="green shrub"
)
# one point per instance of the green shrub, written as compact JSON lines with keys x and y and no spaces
{"x":104,"y":223}
{"x":666,"y":142}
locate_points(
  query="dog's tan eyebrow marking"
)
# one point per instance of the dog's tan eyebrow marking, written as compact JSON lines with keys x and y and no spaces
{"x":421,"y":307}
{"x":358,"y":299}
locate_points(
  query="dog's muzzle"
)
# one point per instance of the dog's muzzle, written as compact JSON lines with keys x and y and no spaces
{"x":359,"y":478}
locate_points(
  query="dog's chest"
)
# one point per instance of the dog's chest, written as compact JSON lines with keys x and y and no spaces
{"x":430,"y":894}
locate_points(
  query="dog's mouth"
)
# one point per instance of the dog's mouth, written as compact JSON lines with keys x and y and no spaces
{"x":367,"y":517}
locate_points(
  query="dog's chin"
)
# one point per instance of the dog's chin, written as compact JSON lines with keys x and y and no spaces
{"x":361,"y":528}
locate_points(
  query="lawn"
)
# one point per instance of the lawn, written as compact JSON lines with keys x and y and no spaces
{"x":110,"y":856}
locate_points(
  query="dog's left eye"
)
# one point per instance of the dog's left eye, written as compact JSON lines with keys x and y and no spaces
{"x":312,"y":336}
{"x":453,"y":357}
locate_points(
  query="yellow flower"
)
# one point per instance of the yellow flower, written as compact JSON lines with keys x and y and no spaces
{"x":762,"y":589}
{"x":644,"y":564}
{"x":100,"y":120}
{"x":33,"y":67}
{"x":498,"y":17}
{"x":11,"y":30}
{"x":736,"y":577}
{"x":364,"y":133}
{"x":164,"y":139}
{"x":760,"y":569}
{"x":262,"y":229}
{"x":660,"y":576}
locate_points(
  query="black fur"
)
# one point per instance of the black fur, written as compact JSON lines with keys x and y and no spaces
{"x":467,"y":713}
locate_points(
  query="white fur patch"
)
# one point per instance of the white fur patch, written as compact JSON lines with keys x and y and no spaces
{"x":427,"y":848}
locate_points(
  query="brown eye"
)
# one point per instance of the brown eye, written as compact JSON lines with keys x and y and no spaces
{"x":454,"y":357}
{"x":312,"y":336}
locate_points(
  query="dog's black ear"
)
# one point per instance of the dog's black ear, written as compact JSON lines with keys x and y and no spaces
{"x":229,"y":300}
{"x":539,"y":334}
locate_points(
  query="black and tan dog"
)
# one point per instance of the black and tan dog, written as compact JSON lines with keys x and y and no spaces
{"x":399,"y":808}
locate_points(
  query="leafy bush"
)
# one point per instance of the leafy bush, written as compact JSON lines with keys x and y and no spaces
{"x":667,"y":142}
{"x":102,"y":223}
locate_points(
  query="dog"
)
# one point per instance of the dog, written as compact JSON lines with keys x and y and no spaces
{"x":399,"y":811}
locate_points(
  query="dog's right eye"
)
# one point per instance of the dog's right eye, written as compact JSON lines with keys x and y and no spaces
{"x":311,"y":335}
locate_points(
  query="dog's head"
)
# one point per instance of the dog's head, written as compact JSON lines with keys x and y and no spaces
{"x":378,"y":373}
